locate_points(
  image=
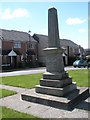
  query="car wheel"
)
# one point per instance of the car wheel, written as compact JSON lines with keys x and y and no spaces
{"x":74,"y":66}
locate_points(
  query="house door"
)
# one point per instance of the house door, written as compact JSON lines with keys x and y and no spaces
{"x":14,"y":61}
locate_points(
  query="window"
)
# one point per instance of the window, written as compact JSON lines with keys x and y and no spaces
{"x":73,"y":50}
{"x":79,"y":50}
{"x":31,"y":46}
{"x":17,"y":45}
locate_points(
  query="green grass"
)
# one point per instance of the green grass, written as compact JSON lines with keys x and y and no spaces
{"x":80,"y":77}
{"x":24,"y":81}
{"x":10,"y":113}
{"x":5,"y":93}
{"x":29,"y":81}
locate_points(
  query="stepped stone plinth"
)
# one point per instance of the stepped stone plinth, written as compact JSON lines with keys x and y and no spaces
{"x":56,"y":87}
{"x":68,"y":102}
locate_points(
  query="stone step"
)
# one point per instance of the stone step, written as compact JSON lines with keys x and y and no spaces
{"x":68,"y":102}
{"x":55,"y":91}
{"x":55,"y":83}
{"x":55,"y":76}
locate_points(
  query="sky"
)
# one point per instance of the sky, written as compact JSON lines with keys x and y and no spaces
{"x":33,"y":16}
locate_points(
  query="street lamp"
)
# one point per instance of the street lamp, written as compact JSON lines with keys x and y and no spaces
{"x":29,"y":37}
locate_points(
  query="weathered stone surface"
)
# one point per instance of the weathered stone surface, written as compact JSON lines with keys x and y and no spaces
{"x":55,"y":75}
{"x":54,"y":60}
{"x":55,"y":91}
{"x":53,"y":33}
{"x":55,"y":83}
{"x":69,"y":101}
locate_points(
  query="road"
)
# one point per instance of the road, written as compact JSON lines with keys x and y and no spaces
{"x":32,"y":71}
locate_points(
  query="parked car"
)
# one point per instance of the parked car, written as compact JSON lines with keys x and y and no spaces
{"x":80,"y":63}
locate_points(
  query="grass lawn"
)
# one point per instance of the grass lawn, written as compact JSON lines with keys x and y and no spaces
{"x":5,"y":93}
{"x":10,"y":113}
{"x":29,"y":81}
{"x":24,"y":81}
{"x":80,"y":77}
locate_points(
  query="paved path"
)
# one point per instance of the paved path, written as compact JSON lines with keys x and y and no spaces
{"x":32,"y":71}
{"x":23,"y":72}
{"x":15,"y":102}
{"x":16,"y":89}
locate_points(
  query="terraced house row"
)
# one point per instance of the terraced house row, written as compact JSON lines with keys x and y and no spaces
{"x":20,"y":47}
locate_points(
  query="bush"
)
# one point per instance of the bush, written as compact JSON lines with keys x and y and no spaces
{"x":41,"y":64}
{"x":20,"y":65}
{"x":71,"y":60}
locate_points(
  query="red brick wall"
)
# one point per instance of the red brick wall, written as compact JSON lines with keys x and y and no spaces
{"x":71,"y":53}
{"x":18,"y":58}
{"x":22,"y":50}
{"x":7,"y":45}
{"x":35,"y":46}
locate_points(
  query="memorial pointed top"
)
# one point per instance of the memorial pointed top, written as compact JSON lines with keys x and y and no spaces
{"x":53,"y":33}
{"x":52,"y":8}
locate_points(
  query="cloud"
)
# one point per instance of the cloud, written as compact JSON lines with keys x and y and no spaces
{"x":17,"y":13}
{"x":73,"y":21}
{"x":82,"y":30}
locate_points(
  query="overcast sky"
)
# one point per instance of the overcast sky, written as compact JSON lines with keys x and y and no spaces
{"x":33,"y":16}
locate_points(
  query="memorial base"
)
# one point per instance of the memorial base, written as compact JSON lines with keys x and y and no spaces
{"x":67,"y":102}
{"x":56,"y":90}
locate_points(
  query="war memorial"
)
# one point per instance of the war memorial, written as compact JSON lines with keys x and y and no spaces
{"x":56,"y":88}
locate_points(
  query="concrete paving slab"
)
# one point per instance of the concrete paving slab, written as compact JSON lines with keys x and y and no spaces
{"x":44,"y":111}
{"x":16,"y":89}
{"x":15,"y":102}
{"x":51,"y":113}
{"x":37,"y":110}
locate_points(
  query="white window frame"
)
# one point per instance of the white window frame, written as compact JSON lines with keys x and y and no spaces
{"x":17,"y":44}
{"x":32,"y":46}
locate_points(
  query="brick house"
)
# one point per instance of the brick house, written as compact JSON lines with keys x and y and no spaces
{"x":72,"y":49}
{"x":17,"y":46}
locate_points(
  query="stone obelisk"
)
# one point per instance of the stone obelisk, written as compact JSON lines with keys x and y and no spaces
{"x":55,"y":79}
{"x":53,"y":33}
{"x":54,"y":60}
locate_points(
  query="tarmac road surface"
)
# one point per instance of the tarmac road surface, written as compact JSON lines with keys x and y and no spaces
{"x":32,"y":71}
